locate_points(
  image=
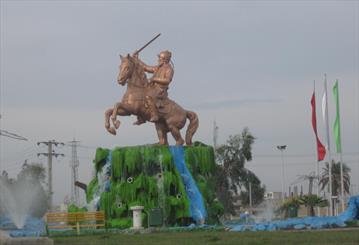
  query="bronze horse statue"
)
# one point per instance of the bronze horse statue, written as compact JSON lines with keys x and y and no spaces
{"x":172,"y":117}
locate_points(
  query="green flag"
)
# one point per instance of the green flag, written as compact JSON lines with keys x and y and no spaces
{"x":337,"y":119}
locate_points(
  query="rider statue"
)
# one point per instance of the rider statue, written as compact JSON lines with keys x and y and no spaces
{"x":159,"y":83}
{"x":148,"y":98}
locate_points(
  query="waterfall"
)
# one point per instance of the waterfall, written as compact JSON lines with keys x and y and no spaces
{"x":197,"y":208}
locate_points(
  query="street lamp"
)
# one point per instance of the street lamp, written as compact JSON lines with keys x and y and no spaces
{"x":282,"y":148}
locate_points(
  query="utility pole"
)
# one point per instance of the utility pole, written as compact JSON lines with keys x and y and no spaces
{"x":50,"y":153}
{"x":282,"y":148}
{"x":74,"y":165}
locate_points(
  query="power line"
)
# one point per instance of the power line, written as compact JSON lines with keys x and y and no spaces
{"x":82,"y":146}
{"x":11,"y":135}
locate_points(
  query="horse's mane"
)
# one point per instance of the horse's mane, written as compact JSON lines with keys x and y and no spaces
{"x":139,"y":72}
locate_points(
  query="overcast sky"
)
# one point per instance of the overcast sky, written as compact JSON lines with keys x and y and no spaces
{"x":242,"y":63}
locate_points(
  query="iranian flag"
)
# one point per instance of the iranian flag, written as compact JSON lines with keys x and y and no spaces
{"x":320,"y":148}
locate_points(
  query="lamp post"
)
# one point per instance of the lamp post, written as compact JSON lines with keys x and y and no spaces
{"x":282,"y":148}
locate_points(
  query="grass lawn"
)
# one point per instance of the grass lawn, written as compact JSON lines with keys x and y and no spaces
{"x":218,"y":237}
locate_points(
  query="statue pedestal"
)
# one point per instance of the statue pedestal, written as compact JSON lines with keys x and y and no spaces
{"x":137,"y":217}
{"x":154,"y":177}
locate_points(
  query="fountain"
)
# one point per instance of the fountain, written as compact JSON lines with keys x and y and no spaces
{"x":23,"y":202}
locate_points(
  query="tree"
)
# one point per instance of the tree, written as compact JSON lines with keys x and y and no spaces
{"x":336,"y":186}
{"x":231,"y":175}
{"x":256,"y":188}
{"x":312,"y":201}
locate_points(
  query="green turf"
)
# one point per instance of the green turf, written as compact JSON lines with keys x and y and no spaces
{"x":218,"y":237}
{"x":155,"y":183}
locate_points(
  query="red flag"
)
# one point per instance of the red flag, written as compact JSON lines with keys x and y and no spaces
{"x":320,"y":148}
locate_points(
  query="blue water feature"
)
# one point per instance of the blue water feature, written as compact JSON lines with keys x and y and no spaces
{"x":33,"y":227}
{"x":197,"y":208}
{"x":350,"y":214}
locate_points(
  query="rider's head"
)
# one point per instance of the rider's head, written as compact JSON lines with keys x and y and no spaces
{"x":164,"y":57}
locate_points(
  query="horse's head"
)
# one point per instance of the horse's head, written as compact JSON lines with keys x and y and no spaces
{"x":127,"y":67}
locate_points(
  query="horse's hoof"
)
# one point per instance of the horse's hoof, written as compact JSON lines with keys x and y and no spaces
{"x":117,"y":124}
{"x":112,"y":131}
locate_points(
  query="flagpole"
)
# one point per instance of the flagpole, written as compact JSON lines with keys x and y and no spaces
{"x":328,"y":145}
{"x":317,"y":164}
{"x":342,"y":181}
{"x":339,"y":149}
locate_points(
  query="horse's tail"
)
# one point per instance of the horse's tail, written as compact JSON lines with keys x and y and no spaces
{"x":192,"y":127}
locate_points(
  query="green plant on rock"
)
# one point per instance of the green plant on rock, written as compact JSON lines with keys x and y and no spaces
{"x":200,"y":160}
{"x":107,"y":199}
{"x":91,"y":189}
{"x":119,"y":223}
{"x":312,"y":201}
{"x":290,"y":207}
{"x":100,"y":158}
{"x":119,"y":170}
{"x":72,"y":208}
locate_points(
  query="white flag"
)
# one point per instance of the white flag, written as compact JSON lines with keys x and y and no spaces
{"x":324,"y":105}
{"x":325,"y":113}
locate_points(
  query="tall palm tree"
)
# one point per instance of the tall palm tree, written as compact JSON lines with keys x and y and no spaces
{"x":336,"y":187}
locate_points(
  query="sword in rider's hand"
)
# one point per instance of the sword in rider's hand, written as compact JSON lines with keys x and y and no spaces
{"x":144,"y":46}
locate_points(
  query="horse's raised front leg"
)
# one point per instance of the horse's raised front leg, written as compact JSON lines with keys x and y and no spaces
{"x":116,"y":122}
{"x":119,"y":110}
{"x":108,"y":127}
